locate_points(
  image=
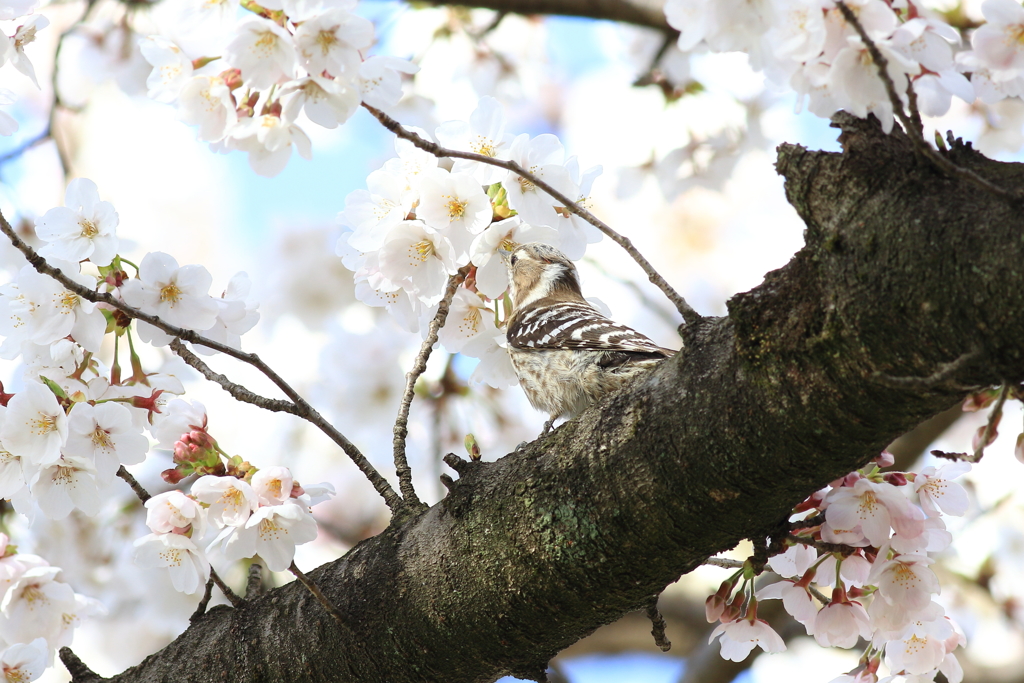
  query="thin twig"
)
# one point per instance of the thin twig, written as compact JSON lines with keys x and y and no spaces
{"x":819,"y":595}
{"x":841,"y":548}
{"x":723,"y":563}
{"x":658,"y":625}
{"x":943,"y":374}
{"x":816,"y":520}
{"x":228,"y":593}
{"x":319,"y":595}
{"x":141,"y":492}
{"x":254,"y":584}
{"x":401,"y":430}
{"x":990,"y":426}
{"x":237,"y":391}
{"x":689,"y":315}
{"x":305,"y":410}
{"x":201,"y":607}
{"x":916,"y":136}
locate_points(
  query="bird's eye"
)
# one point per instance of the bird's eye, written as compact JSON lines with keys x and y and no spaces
{"x":512,"y":260}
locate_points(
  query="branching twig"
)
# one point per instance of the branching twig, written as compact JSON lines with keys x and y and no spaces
{"x":658,"y":625}
{"x":913,"y":132}
{"x":401,"y":430}
{"x":201,"y":607}
{"x":237,"y":391}
{"x":254,"y":584}
{"x":724,"y":563}
{"x":990,"y":426}
{"x":819,"y":595}
{"x":305,"y":410}
{"x":225,"y":589}
{"x":319,"y":595}
{"x":840,"y":548}
{"x":689,"y":315}
{"x":944,"y":373}
{"x":139,"y":490}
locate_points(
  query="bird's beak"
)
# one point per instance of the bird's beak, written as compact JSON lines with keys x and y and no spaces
{"x":505,"y":249}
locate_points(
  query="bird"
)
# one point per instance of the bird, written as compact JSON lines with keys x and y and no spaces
{"x":566,"y":353}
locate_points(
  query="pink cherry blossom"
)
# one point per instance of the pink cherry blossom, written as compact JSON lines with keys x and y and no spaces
{"x":739,"y":637}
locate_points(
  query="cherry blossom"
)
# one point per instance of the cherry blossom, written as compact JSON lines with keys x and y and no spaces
{"x":495,"y":367}
{"x":796,"y":600}
{"x":454,"y":205}
{"x":26,"y":34}
{"x":231,"y":500}
{"x":37,"y":308}
{"x":35,"y":426}
{"x":172,"y":69}
{"x":905,"y":580}
{"x":484,"y":134}
{"x":179,"y":418}
{"x":236,"y":314}
{"x":263,"y":51}
{"x":174,"y":512}
{"x":81,"y":229}
{"x":372,"y":212}
{"x":205,"y":101}
{"x":380,"y":82}
{"x":418,"y":259}
{"x":23,"y":662}
{"x":272,"y":532}
{"x":272,"y":485}
{"x":330,"y":41}
{"x":12,"y":9}
{"x":327,"y":102}
{"x":34,"y":606}
{"x":104,"y":434}
{"x":542,"y":156}
{"x":65,"y":485}
{"x":269,"y":140}
{"x":739,"y":637}
{"x":179,"y":296}
{"x":938,"y":494}
{"x":187,"y":564}
{"x":873,"y":507}
{"x":997,"y":43}
{"x":797,"y":559}
{"x":841,"y":622}
{"x":470,"y":323}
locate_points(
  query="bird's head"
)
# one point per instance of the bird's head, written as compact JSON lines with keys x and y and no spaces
{"x":538,"y":271}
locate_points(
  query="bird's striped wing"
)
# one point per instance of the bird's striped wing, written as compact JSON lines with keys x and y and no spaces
{"x":576,"y":325}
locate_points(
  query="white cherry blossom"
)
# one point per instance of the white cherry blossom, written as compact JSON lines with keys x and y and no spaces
{"x":236,"y":314}
{"x":263,"y":51}
{"x":412,"y":162}
{"x":380,"y":82}
{"x":330,"y":41}
{"x":272,"y":532}
{"x":35,"y":426}
{"x":997,"y":42}
{"x":455,"y":205}
{"x":269,"y":140}
{"x":178,"y":418}
{"x":372,"y":212}
{"x":23,"y":662}
{"x":841,"y":623}
{"x":174,"y":512}
{"x":34,"y":606}
{"x":231,"y":500}
{"x":484,"y":134}
{"x":855,"y":78}
{"x":84,"y":228}
{"x":874,"y":508}
{"x":418,"y":259}
{"x":793,"y":563}
{"x":327,"y":102}
{"x":542,"y":156}
{"x":938,"y":493}
{"x":495,"y":367}
{"x":105,"y":435}
{"x":172,"y":68}
{"x":65,"y":485}
{"x":186,"y":562}
{"x":205,"y":101}
{"x":739,"y":637}
{"x":905,"y":580}
{"x":272,"y":485}
{"x":796,"y":600}
{"x":179,"y":296}
{"x":12,"y":9}
{"x":24,"y":35}
{"x":470,"y":323}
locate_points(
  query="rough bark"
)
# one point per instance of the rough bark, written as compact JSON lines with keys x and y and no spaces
{"x":637,"y":12}
{"x":903,"y":270}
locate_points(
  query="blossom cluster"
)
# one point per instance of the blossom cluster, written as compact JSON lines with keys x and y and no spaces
{"x":38,"y":613}
{"x":418,"y":223}
{"x":289,"y":57}
{"x":12,"y":50}
{"x":876,"y":570}
{"x":253,"y":512}
{"x":808,"y":46}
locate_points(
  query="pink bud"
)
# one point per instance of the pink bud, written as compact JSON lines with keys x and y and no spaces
{"x":171,"y":476}
{"x":884,"y":459}
{"x":896,"y":478}
{"x":713,"y":608}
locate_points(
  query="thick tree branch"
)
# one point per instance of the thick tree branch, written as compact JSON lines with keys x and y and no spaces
{"x":904,"y":269}
{"x":648,"y":14}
